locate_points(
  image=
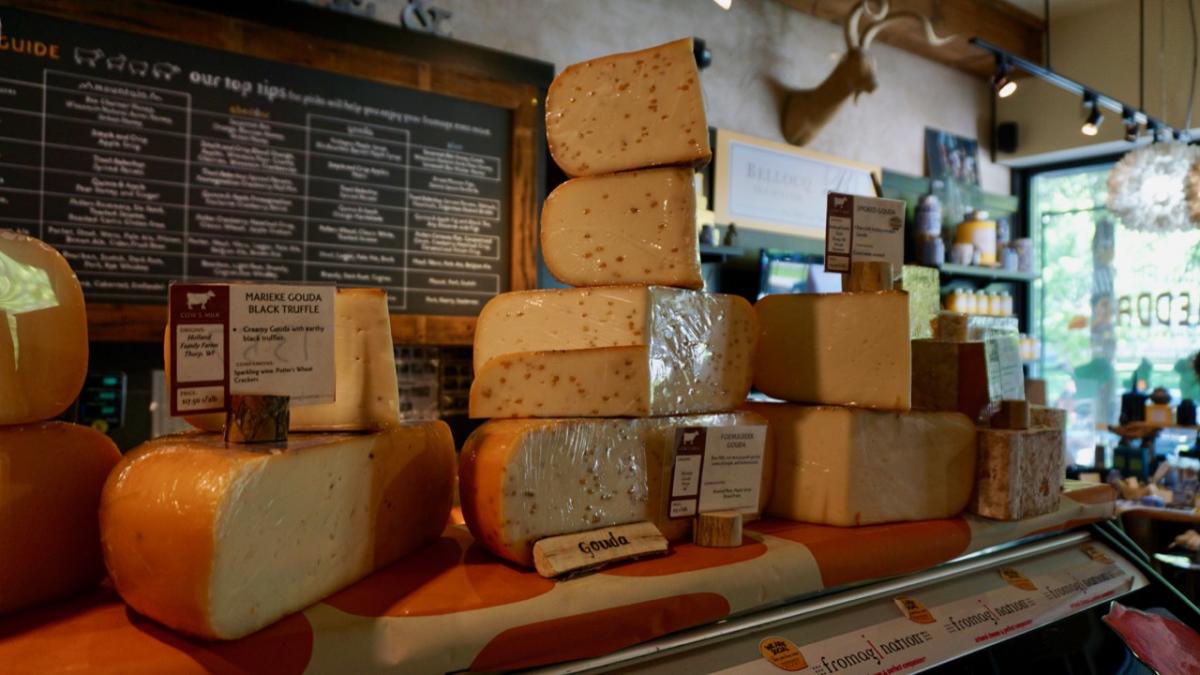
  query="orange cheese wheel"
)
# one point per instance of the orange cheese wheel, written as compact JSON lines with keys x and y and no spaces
{"x":220,"y":542}
{"x":43,"y":331}
{"x":51,"y":474}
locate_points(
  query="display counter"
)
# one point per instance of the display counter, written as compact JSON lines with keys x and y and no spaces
{"x":454,"y":607}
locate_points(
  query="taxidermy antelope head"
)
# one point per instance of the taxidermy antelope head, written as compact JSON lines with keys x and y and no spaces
{"x":806,"y":111}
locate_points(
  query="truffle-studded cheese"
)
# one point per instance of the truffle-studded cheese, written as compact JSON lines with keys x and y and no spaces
{"x":849,"y":466}
{"x":628,"y":111}
{"x":43,"y":331}
{"x":366,"y":394}
{"x":51,"y":474}
{"x":1019,"y":474}
{"x":627,"y":228}
{"x":220,"y":542}
{"x":524,"y":480}
{"x":838,"y":348}
{"x":611,"y":351}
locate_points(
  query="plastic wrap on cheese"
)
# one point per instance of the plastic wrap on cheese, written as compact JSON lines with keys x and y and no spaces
{"x":527,"y":479}
{"x":221,"y":541}
{"x":43,"y":331}
{"x":611,"y":351}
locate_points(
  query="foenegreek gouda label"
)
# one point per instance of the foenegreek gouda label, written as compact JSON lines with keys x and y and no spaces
{"x":1096,"y":554}
{"x":1014,"y":577}
{"x":914,"y":610}
{"x":782,"y":654}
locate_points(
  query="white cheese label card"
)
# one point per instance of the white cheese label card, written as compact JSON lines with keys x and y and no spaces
{"x":863,"y":229}
{"x":1006,"y":378}
{"x":265,"y":339}
{"x":717,"y":469}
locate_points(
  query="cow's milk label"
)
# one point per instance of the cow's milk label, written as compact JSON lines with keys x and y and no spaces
{"x":267,"y":339}
{"x":863,"y":229}
{"x":717,"y":469}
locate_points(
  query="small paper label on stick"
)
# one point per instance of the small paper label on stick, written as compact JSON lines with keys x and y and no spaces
{"x":861,"y":229}
{"x":259,"y":339}
{"x":717,"y":469}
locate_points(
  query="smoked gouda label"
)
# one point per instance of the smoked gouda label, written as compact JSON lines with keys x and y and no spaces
{"x":1096,"y":554}
{"x":1016,"y":579}
{"x":914,"y":610}
{"x":782,"y":653}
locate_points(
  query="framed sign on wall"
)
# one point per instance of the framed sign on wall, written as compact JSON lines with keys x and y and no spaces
{"x":153,"y":142}
{"x":763,"y":185}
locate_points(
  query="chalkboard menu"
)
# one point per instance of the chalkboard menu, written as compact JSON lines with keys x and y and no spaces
{"x":145,"y":161}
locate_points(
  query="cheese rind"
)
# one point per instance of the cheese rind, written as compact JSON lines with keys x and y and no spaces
{"x":835,"y":349}
{"x":51,"y":474}
{"x":43,"y":331}
{"x":220,"y":542}
{"x":618,"y":350}
{"x":849,"y":466}
{"x":950,"y":376}
{"x":628,"y":228}
{"x":628,"y":111}
{"x":367,"y":397}
{"x":1019,"y":473}
{"x":524,"y":480}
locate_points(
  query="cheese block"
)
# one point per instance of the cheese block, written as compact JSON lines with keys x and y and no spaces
{"x":837,"y":348}
{"x":51,"y":474}
{"x":524,"y":480}
{"x":366,"y":394}
{"x":1019,"y":473}
{"x":950,"y":376}
{"x":43,"y":331}
{"x":219,"y":542}
{"x":627,"y":228}
{"x":611,"y":351}
{"x":628,"y":111}
{"x":923,"y":285}
{"x":849,"y":466}
{"x":1052,"y":418}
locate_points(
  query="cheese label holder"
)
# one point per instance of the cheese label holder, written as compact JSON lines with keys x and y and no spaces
{"x":580,"y":552}
{"x":717,"y":469}
{"x":250,"y":339}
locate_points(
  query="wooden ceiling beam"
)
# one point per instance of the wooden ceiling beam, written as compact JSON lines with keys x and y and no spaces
{"x":998,"y":22}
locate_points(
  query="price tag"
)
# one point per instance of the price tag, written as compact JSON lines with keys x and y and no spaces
{"x":863,"y":229}
{"x":717,"y":469}
{"x":267,"y":339}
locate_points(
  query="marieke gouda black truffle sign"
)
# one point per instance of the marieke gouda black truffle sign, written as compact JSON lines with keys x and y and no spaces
{"x":146,"y":161}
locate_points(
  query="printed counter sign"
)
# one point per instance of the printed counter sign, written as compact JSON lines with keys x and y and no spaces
{"x":146,"y":161}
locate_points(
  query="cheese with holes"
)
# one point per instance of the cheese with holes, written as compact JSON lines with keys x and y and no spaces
{"x":849,"y":466}
{"x":43,"y":331}
{"x":1019,"y":473}
{"x":611,"y":351}
{"x":627,"y":228}
{"x":524,"y":480}
{"x":628,"y":111}
{"x":838,"y":348}
{"x":219,"y":542}
{"x":366,"y":394}
{"x":51,"y":474}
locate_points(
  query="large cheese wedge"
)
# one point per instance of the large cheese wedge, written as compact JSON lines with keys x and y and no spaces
{"x":51,"y":474}
{"x":837,"y":348}
{"x":220,"y":542}
{"x":628,"y":111}
{"x":523,"y":480}
{"x":366,"y":394}
{"x":1019,"y":473}
{"x":43,"y":331}
{"x":627,"y":228}
{"x":611,"y":351}
{"x":849,"y":466}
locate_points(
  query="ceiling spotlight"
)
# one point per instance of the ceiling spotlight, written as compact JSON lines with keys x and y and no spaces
{"x":1132,"y":128}
{"x":1095,"y":118}
{"x":1002,"y":81}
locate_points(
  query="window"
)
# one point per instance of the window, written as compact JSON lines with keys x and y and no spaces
{"x":1112,"y":304}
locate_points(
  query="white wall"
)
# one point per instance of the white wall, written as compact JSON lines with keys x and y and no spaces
{"x":754,"y":45}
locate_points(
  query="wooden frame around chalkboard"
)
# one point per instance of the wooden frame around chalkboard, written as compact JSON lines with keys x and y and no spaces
{"x":291,"y":32}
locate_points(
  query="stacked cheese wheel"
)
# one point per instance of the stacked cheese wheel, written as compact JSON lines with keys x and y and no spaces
{"x":51,"y":473}
{"x":850,"y":449}
{"x":220,"y":540}
{"x":634,"y":347}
